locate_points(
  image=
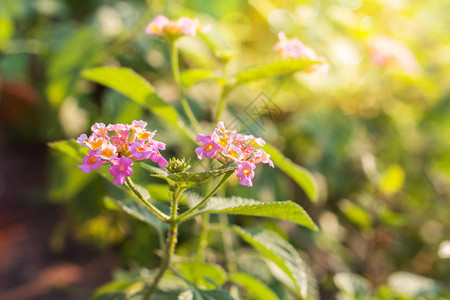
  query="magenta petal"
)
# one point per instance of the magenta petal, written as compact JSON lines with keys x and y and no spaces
{"x":200,"y":152}
{"x":119,"y":179}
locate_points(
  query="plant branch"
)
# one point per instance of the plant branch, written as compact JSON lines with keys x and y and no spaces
{"x":177,"y":79}
{"x":203,"y":238}
{"x":187,"y":214}
{"x":172,"y":238}
{"x":159,"y":214}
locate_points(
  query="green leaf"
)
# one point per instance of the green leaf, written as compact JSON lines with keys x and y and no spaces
{"x":112,"y":295}
{"x":273,"y":69}
{"x":69,"y":147}
{"x":255,"y":288}
{"x":355,"y":213}
{"x":155,"y":172}
{"x":285,"y":256}
{"x":134,"y":86}
{"x":352,"y":285}
{"x":198,"y":294}
{"x":187,"y":179}
{"x":300,"y":175}
{"x":194,"y":76}
{"x":139,"y":211}
{"x":196,"y":272}
{"x":392,"y":180}
{"x":75,"y":151}
{"x":285,"y":210}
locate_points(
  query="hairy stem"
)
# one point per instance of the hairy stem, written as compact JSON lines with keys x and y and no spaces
{"x":177,"y":79}
{"x":203,"y":239}
{"x":172,"y":238}
{"x":159,"y":214}
{"x":227,"y":238}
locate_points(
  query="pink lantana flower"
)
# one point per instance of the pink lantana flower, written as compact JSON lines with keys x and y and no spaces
{"x":295,"y":49}
{"x":121,"y":169}
{"x":162,"y":26}
{"x":157,"y":25}
{"x":230,"y":145}
{"x":245,"y":173}
{"x":118,"y":144}
{"x":91,"y":162}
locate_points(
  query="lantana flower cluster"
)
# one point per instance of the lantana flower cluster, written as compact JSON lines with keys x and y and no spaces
{"x":120,"y":145}
{"x":228,"y":145}
{"x":294,"y":49}
{"x":162,"y":26}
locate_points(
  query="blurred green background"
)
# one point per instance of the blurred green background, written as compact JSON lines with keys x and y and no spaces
{"x":376,"y":136}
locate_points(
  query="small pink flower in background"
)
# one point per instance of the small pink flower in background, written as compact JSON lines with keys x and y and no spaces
{"x":118,"y":144}
{"x":121,"y":169}
{"x":290,"y":48}
{"x":161,"y":26}
{"x":91,"y":162}
{"x":295,"y":49}
{"x":245,"y":173}
{"x":157,"y":25}
{"x":385,"y":50}
{"x":230,"y":145}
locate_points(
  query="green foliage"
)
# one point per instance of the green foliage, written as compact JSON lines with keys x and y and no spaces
{"x":194,"y":76}
{"x":198,"y":294}
{"x":254,"y":287}
{"x":186,"y":180}
{"x":134,"y":86}
{"x":284,"y":255}
{"x":201,"y":274}
{"x":352,"y":285}
{"x":300,"y":175}
{"x":140,"y":212}
{"x":272,"y":69}
{"x":284,"y":210}
{"x":372,"y":134}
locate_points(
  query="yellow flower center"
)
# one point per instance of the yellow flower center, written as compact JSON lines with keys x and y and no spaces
{"x":223,"y":142}
{"x":96,"y":144}
{"x":209,"y":147}
{"x":107,"y":153}
{"x":140,"y":149}
{"x":233,"y":153}
{"x":144,"y":135}
{"x":92,"y":160}
{"x":246,"y":171}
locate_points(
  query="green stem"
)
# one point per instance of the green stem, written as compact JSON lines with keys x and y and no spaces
{"x":172,"y":238}
{"x":177,"y":79}
{"x":203,"y":239}
{"x":187,"y":214}
{"x":227,"y":238}
{"x":221,"y":105}
{"x":159,"y":214}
